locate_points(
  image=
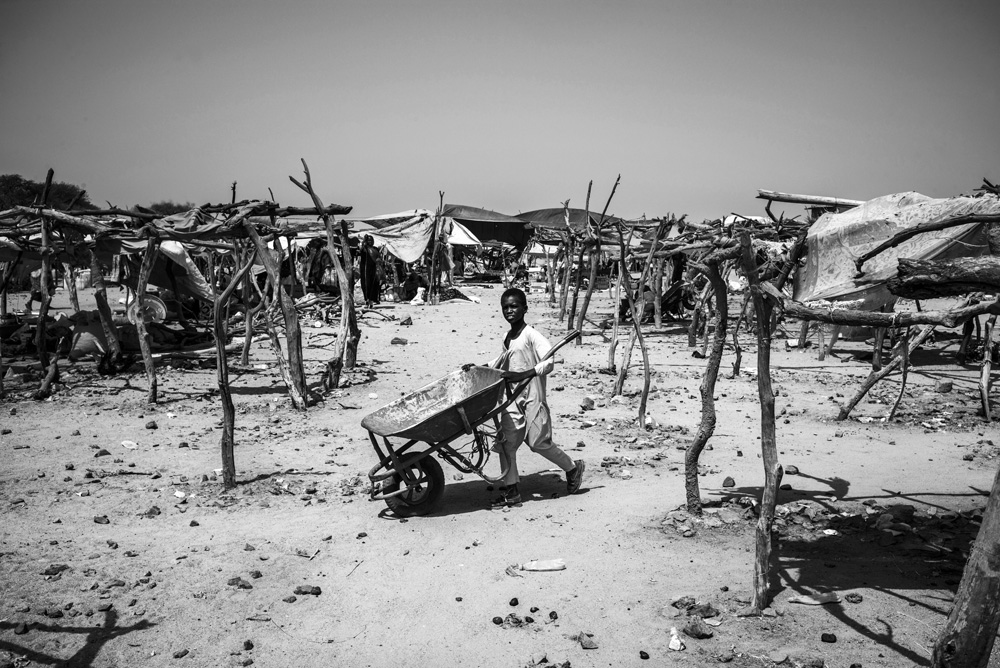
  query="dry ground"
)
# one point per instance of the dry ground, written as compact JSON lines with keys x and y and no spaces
{"x":153,"y":582}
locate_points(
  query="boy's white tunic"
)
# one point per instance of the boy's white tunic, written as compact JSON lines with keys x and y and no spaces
{"x":527,"y":418}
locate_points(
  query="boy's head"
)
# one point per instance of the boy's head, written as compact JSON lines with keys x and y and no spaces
{"x":517,"y":293}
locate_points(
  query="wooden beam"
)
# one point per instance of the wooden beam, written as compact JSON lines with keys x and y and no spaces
{"x":815,"y":200}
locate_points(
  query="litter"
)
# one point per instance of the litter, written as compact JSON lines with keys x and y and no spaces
{"x":131,"y":445}
{"x":547,"y":565}
{"x":816,"y":599}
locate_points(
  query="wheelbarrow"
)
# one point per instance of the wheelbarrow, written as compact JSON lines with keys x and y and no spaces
{"x":457,"y":417}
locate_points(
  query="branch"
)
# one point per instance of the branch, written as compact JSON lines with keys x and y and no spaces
{"x":858,"y":318}
{"x":928,"y":226}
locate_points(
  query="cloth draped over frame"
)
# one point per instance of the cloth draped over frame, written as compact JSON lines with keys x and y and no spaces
{"x":837,"y":239}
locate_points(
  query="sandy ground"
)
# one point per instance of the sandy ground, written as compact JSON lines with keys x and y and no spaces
{"x":183,"y":567}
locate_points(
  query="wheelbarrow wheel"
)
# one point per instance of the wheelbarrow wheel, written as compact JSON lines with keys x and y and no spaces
{"x":424,"y":497}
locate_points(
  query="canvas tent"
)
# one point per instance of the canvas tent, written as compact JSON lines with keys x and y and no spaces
{"x":837,"y":239}
{"x":489,"y":225}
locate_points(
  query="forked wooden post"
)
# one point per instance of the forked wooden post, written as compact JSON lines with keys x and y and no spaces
{"x":152,"y":249}
{"x":345,"y":348}
{"x":769,"y":449}
{"x":222,"y":371}
{"x":595,"y":256}
{"x":297,"y":390}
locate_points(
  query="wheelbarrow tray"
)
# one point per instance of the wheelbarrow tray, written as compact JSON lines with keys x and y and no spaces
{"x":434,"y":412}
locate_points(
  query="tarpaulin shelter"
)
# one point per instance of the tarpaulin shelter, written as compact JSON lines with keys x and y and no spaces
{"x":173,"y":260}
{"x":835,"y":240}
{"x":489,"y":225}
{"x":405,"y":235}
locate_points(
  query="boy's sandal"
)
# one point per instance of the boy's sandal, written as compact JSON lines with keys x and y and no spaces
{"x":505,"y":501}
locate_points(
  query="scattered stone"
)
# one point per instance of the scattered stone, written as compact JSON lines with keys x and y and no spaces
{"x":20,"y":629}
{"x":55,"y":569}
{"x":553,"y":615}
{"x":239,"y":583}
{"x":76,"y":432}
{"x":152,"y":512}
{"x":587,"y":404}
{"x":726,"y":657}
{"x":854,"y":597}
{"x":102,"y":453}
{"x":498,"y":620}
{"x":778,"y":656}
{"x":104,"y":607}
{"x":513,"y":602}
{"x":308,"y":590}
{"x":729,"y":482}
{"x":533,"y":609}
{"x":943,"y":386}
{"x":698,"y":629}
{"x":256,"y":575}
{"x":362,"y":535}
{"x":683,"y":602}
{"x":407,"y":321}
{"x":703,"y":610}
{"x":151,"y":425}
{"x":586,"y":640}
{"x":194,"y":523}
{"x":792,"y":469}
{"x":101,"y":519}
{"x":289,"y":599}
{"x":838,"y":434}
{"x":248,"y":645}
{"x":398,"y":341}
{"x":250,"y":548}
{"x":828,"y":637}
{"x":180,"y":654}
{"x":643,"y":655}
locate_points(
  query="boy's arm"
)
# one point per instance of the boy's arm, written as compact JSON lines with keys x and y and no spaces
{"x":542,"y":348}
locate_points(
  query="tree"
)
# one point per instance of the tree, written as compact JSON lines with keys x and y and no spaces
{"x":169,"y":207}
{"x":15,"y":190}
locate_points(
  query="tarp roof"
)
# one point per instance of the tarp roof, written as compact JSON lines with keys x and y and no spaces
{"x":835,"y":240}
{"x":555,"y":219}
{"x":489,"y":225}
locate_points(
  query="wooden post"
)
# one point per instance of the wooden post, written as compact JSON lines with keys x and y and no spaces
{"x":595,"y":258}
{"x":46,"y":277}
{"x":248,"y":256}
{"x":658,"y":293}
{"x":706,"y":426}
{"x":69,"y":274}
{"x":432,"y":291}
{"x":769,"y":449}
{"x":637,"y":309}
{"x":345,"y":349}
{"x":613,"y":345}
{"x":297,"y":390}
{"x":550,"y":279}
{"x":969,"y":634}
{"x":104,"y":311}
{"x":986,"y":368}
{"x":904,"y":354}
{"x":222,"y":373}
{"x":152,"y":249}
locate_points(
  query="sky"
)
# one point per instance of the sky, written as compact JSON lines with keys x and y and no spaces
{"x":510,"y":105}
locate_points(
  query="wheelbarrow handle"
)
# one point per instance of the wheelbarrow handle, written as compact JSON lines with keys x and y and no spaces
{"x":575,"y":334}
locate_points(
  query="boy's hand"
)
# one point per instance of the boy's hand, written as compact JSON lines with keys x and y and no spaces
{"x":466,"y":367}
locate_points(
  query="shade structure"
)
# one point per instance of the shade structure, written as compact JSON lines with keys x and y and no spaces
{"x":489,"y":225}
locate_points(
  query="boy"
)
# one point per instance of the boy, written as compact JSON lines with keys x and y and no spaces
{"x":527,"y":418}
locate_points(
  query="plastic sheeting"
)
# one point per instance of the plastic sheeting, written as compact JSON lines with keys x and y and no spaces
{"x":406,"y":239}
{"x":836,"y":240}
